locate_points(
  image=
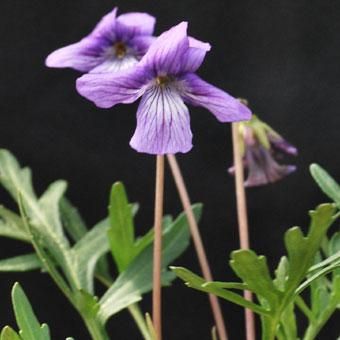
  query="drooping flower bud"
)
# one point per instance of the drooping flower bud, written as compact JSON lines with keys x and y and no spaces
{"x":261,"y":146}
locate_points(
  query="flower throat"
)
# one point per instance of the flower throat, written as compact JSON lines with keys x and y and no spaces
{"x":120,"y":50}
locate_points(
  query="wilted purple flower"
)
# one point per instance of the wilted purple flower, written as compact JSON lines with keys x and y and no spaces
{"x":116,"y":43}
{"x":165,"y":79}
{"x":261,"y":145}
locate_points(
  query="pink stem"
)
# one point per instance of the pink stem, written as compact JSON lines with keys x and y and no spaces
{"x":157,"y":250}
{"x":242,"y":220}
{"x":202,"y":257}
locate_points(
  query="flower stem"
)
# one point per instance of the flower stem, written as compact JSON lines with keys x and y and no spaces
{"x":242,"y":220}
{"x":157,"y":250}
{"x":198,"y":243}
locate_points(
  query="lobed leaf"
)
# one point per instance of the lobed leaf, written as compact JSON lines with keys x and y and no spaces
{"x":196,"y":282}
{"x":301,"y":249}
{"x":254,"y":272}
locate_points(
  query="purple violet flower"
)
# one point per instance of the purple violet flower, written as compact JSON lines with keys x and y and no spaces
{"x":115,"y":44}
{"x":165,"y":79}
{"x":261,"y":145}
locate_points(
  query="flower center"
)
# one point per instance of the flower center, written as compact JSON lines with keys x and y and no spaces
{"x":163,"y":80}
{"x":120,"y":50}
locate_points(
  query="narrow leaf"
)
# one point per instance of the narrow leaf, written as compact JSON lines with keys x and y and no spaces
{"x":121,"y":231}
{"x":72,"y":220}
{"x":30,"y":328}
{"x":226,"y":285}
{"x":317,"y":275}
{"x":11,"y":225}
{"x":77,"y":229}
{"x":49,"y":204}
{"x":194,"y":281}
{"x":329,"y":260}
{"x":88,"y":251}
{"x":21,"y":263}
{"x":326,"y":183}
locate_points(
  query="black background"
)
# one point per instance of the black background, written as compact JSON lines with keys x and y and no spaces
{"x":283,"y":56}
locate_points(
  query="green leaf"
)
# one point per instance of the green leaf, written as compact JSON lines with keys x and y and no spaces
{"x":323,"y":308}
{"x":320,"y":300}
{"x":226,"y":285}
{"x":21,"y":263}
{"x":137,"y":278}
{"x":142,"y":242}
{"x":8,"y":333}
{"x":302,"y":250}
{"x":253,"y":270}
{"x":88,"y":251}
{"x":326,"y":183}
{"x":49,"y":205}
{"x":281,"y":274}
{"x":196,"y":282}
{"x":41,"y":215}
{"x":329,"y":260}
{"x":121,"y":231}
{"x":11,"y":225}
{"x":317,"y":275}
{"x":30,"y":328}
{"x":77,"y":229}
{"x":18,"y":181}
{"x":334,"y":244}
{"x":72,"y":220}
{"x":13,"y":177}
{"x":47,"y":261}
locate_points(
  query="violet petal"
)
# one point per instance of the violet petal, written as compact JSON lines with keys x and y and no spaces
{"x":225,"y":107}
{"x":130,"y":25}
{"x":109,"y":89}
{"x":163,"y":123}
{"x":82,"y":56}
{"x":165,"y":55}
{"x":106,"y":26}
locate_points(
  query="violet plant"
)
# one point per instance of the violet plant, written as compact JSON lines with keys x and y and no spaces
{"x":123,"y":62}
